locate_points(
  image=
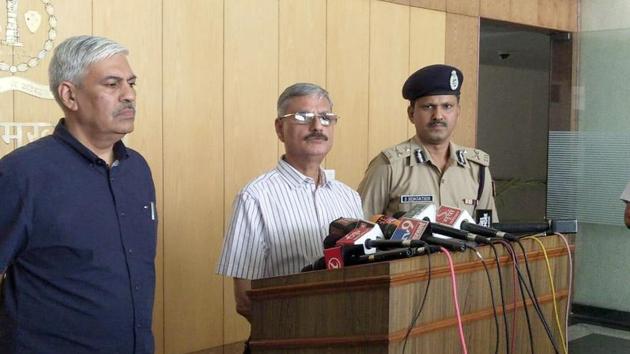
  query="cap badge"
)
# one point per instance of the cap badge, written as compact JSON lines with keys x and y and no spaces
{"x":454,"y":81}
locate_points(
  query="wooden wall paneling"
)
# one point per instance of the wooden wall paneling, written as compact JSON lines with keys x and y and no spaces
{"x":427,"y":43}
{"x":193,"y":174}
{"x":555,"y":14}
{"x":463,"y":7}
{"x":572,"y":24}
{"x":7,"y":114}
{"x":138,"y":26}
{"x":6,"y":98}
{"x":558,"y":14}
{"x":7,"y":111}
{"x":302,"y":42}
{"x":495,"y":9}
{"x":429,"y":4}
{"x":347,"y":81}
{"x":524,"y":12}
{"x":72,"y":19}
{"x":462,"y":51}
{"x":389,"y":68}
{"x":552,"y":13}
{"x":399,"y":2}
{"x":250,"y":94}
{"x":301,"y":45}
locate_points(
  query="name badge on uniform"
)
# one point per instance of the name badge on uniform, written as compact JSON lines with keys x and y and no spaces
{"x":470,"y":201}
{"x":415,"y":198}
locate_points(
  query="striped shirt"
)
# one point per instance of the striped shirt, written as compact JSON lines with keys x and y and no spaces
{"x":279,"y":222}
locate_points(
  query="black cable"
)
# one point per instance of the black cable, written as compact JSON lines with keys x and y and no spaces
{"x":540,"y":314}
{"x":505,"y":321}
{"x":510,"y":250}
{"x":538,"y":310}
{"x":424,"y":298}
{"x":529,"y":275}
{"x":494,"y":309}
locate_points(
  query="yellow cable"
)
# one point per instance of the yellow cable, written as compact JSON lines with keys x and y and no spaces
{"x":553,"y":290}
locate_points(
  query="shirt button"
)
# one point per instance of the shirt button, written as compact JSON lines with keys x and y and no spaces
{"x":130,"y":250}
{"x":122,"y":213}
{"x":139,"y":325}
{"x":137,"y":287}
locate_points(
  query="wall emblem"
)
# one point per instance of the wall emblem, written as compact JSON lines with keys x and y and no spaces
{"x":21,"y":46}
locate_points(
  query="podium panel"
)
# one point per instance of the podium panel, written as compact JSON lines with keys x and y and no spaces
{"x":369,"y":308}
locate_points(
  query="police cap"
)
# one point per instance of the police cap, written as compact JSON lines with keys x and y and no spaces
{"x":433,"y":80}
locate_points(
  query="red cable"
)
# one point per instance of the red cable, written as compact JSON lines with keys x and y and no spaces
{"x":457,"y":311}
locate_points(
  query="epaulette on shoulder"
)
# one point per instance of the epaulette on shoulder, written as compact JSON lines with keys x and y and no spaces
{"x":397,"y":152}
{"x":477,"y":156}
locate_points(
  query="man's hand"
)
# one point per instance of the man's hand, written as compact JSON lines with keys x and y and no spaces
{"x":243,"y":303}
{"x":627,"y":215}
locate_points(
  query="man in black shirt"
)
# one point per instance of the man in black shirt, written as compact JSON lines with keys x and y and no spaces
{"x":78,"y":218}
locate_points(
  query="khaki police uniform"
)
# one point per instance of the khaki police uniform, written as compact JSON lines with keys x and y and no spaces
{"x":404,"y":175}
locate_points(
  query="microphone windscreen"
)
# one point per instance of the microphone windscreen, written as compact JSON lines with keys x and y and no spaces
{"x":399,"y":214}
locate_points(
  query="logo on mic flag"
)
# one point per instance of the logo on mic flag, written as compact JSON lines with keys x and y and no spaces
{"x":447,"y":215}
{"x":333,"y":257}
{"x":409,"y":229}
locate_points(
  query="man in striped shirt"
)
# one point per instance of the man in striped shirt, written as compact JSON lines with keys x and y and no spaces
{"x":281,"y":218}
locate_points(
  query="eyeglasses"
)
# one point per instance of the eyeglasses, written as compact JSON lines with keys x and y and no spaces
{"x":325,"y":119}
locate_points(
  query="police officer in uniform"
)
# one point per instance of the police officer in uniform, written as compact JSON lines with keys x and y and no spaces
{"x":430,"y":168}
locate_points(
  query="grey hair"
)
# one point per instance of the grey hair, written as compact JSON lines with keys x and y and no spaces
{"x":72,"y":57}
{"x":299,"y":90}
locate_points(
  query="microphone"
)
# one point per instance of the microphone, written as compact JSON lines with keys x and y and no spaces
{"x":399,"y":214}
{"x":448,"y":243}
{"x":360,"y":236}
{"x":487,"y":231}
{"x":341,"y":227}
{"x":568,"y":226}
{"x":458,"y":234}
{"x":319,"y":264}
{"x":387,"y":224}
{"x":347,"y":249}
{"x":394,"y":243}
{"x":421,"y":211}
{"x":413,"y":228}
{"x":460,"y":219}
{"x":399,"y":253}
{"x":409,"y":229}
{"x":429,"y":216}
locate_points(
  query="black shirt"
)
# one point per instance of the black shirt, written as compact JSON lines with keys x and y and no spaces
{"x":77,"y":243}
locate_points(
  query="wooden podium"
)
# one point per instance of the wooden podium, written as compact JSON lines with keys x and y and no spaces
{"x":369,"y":308}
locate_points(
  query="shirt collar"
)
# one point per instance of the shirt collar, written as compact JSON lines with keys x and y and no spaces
{"x":417,"y":148}
{"x":61,"y":132}
{"x":295,"y":178}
